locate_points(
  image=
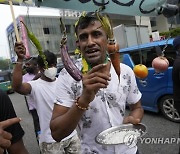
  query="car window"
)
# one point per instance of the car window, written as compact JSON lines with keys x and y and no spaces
{"x":1,"y":79}
{"x":135,"y":56}
{"x":4,"y":78}
{"x":144,"y":56}
{"x":170,"y":54}
{"x":151,"y":54}
{"x":148,"y":54}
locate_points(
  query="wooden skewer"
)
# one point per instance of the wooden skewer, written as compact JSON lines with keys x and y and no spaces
{"x":14,"y":22}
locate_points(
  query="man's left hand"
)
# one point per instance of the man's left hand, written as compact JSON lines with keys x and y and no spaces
{"x":131,"y":119}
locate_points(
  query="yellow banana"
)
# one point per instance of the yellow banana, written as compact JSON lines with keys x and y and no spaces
{"x":85,"y":67}
{"x":106,"y":25}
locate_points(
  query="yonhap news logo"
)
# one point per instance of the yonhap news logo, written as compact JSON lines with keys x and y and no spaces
{"x":159,"y":140}
{"x":131,"y":140}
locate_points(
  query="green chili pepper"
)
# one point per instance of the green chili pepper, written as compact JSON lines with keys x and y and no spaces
{"x":37,"y":44}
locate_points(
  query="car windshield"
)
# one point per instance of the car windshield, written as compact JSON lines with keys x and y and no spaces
{"x":4,"y":78}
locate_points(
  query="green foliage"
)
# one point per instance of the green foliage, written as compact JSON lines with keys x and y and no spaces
{"x":173,"y":33}
{"x":5,"y":64}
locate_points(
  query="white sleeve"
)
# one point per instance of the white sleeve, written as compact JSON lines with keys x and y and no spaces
{"x":24,"y":79}
{"x":66,"y":91}
{"x":134,"y":94}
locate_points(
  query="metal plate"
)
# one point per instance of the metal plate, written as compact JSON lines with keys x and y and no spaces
{"x":120,"y":134}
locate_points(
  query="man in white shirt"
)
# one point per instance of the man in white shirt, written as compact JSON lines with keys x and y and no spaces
{"x":31,"y":69}
{"x":43,"y":92}
{"x":98,"y":101}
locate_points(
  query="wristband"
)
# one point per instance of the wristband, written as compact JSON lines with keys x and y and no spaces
{"x":80,"y":107}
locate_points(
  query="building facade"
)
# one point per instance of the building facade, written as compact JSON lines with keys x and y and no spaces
{"x":163,"y":24}
{"x":47,"y":30}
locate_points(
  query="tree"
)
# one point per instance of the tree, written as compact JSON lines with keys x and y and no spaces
{"x":5,"y":64}
{"x":173,"y":33}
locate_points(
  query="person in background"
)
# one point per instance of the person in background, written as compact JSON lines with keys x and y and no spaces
{"x":43,"y":91}
{"x":11,"y":132}
{"x":97,"y":102}
{"x":31,"y":70}
{"x":176,"y":74}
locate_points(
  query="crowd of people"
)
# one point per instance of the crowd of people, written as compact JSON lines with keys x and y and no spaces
{"x":69,"y":114}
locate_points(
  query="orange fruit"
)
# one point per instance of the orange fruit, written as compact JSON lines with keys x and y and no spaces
{"x":140,"y":71}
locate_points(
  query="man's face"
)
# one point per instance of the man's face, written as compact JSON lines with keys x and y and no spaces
{"x":92,"y":42}
{"x":30,"y":68}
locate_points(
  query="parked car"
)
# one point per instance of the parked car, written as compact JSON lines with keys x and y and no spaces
{"x":6,"y":82}
{"x":156,"y":88}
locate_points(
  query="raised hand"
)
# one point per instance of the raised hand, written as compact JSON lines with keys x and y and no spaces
{"x":95,"y":79}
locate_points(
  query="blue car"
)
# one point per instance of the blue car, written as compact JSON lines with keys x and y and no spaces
{"x":156,"y":88}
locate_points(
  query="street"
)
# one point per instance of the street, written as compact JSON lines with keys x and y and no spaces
{"x":161,"y":138}
{"x":162,"y":129}
{"x":27,"y":123}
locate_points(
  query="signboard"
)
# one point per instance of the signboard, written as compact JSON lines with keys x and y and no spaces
{"x":123,"y":7}
{"x":155,"y":36}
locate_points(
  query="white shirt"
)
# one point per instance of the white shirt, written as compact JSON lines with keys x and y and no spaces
{"x":105,"y":111}
{"x":44,"y":94}
{"x":30,"y":100}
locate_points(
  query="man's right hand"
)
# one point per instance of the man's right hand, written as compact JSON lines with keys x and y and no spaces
{"x":5,"y":137}
{"x":20,"y":50}
{"x":95,"y":79}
